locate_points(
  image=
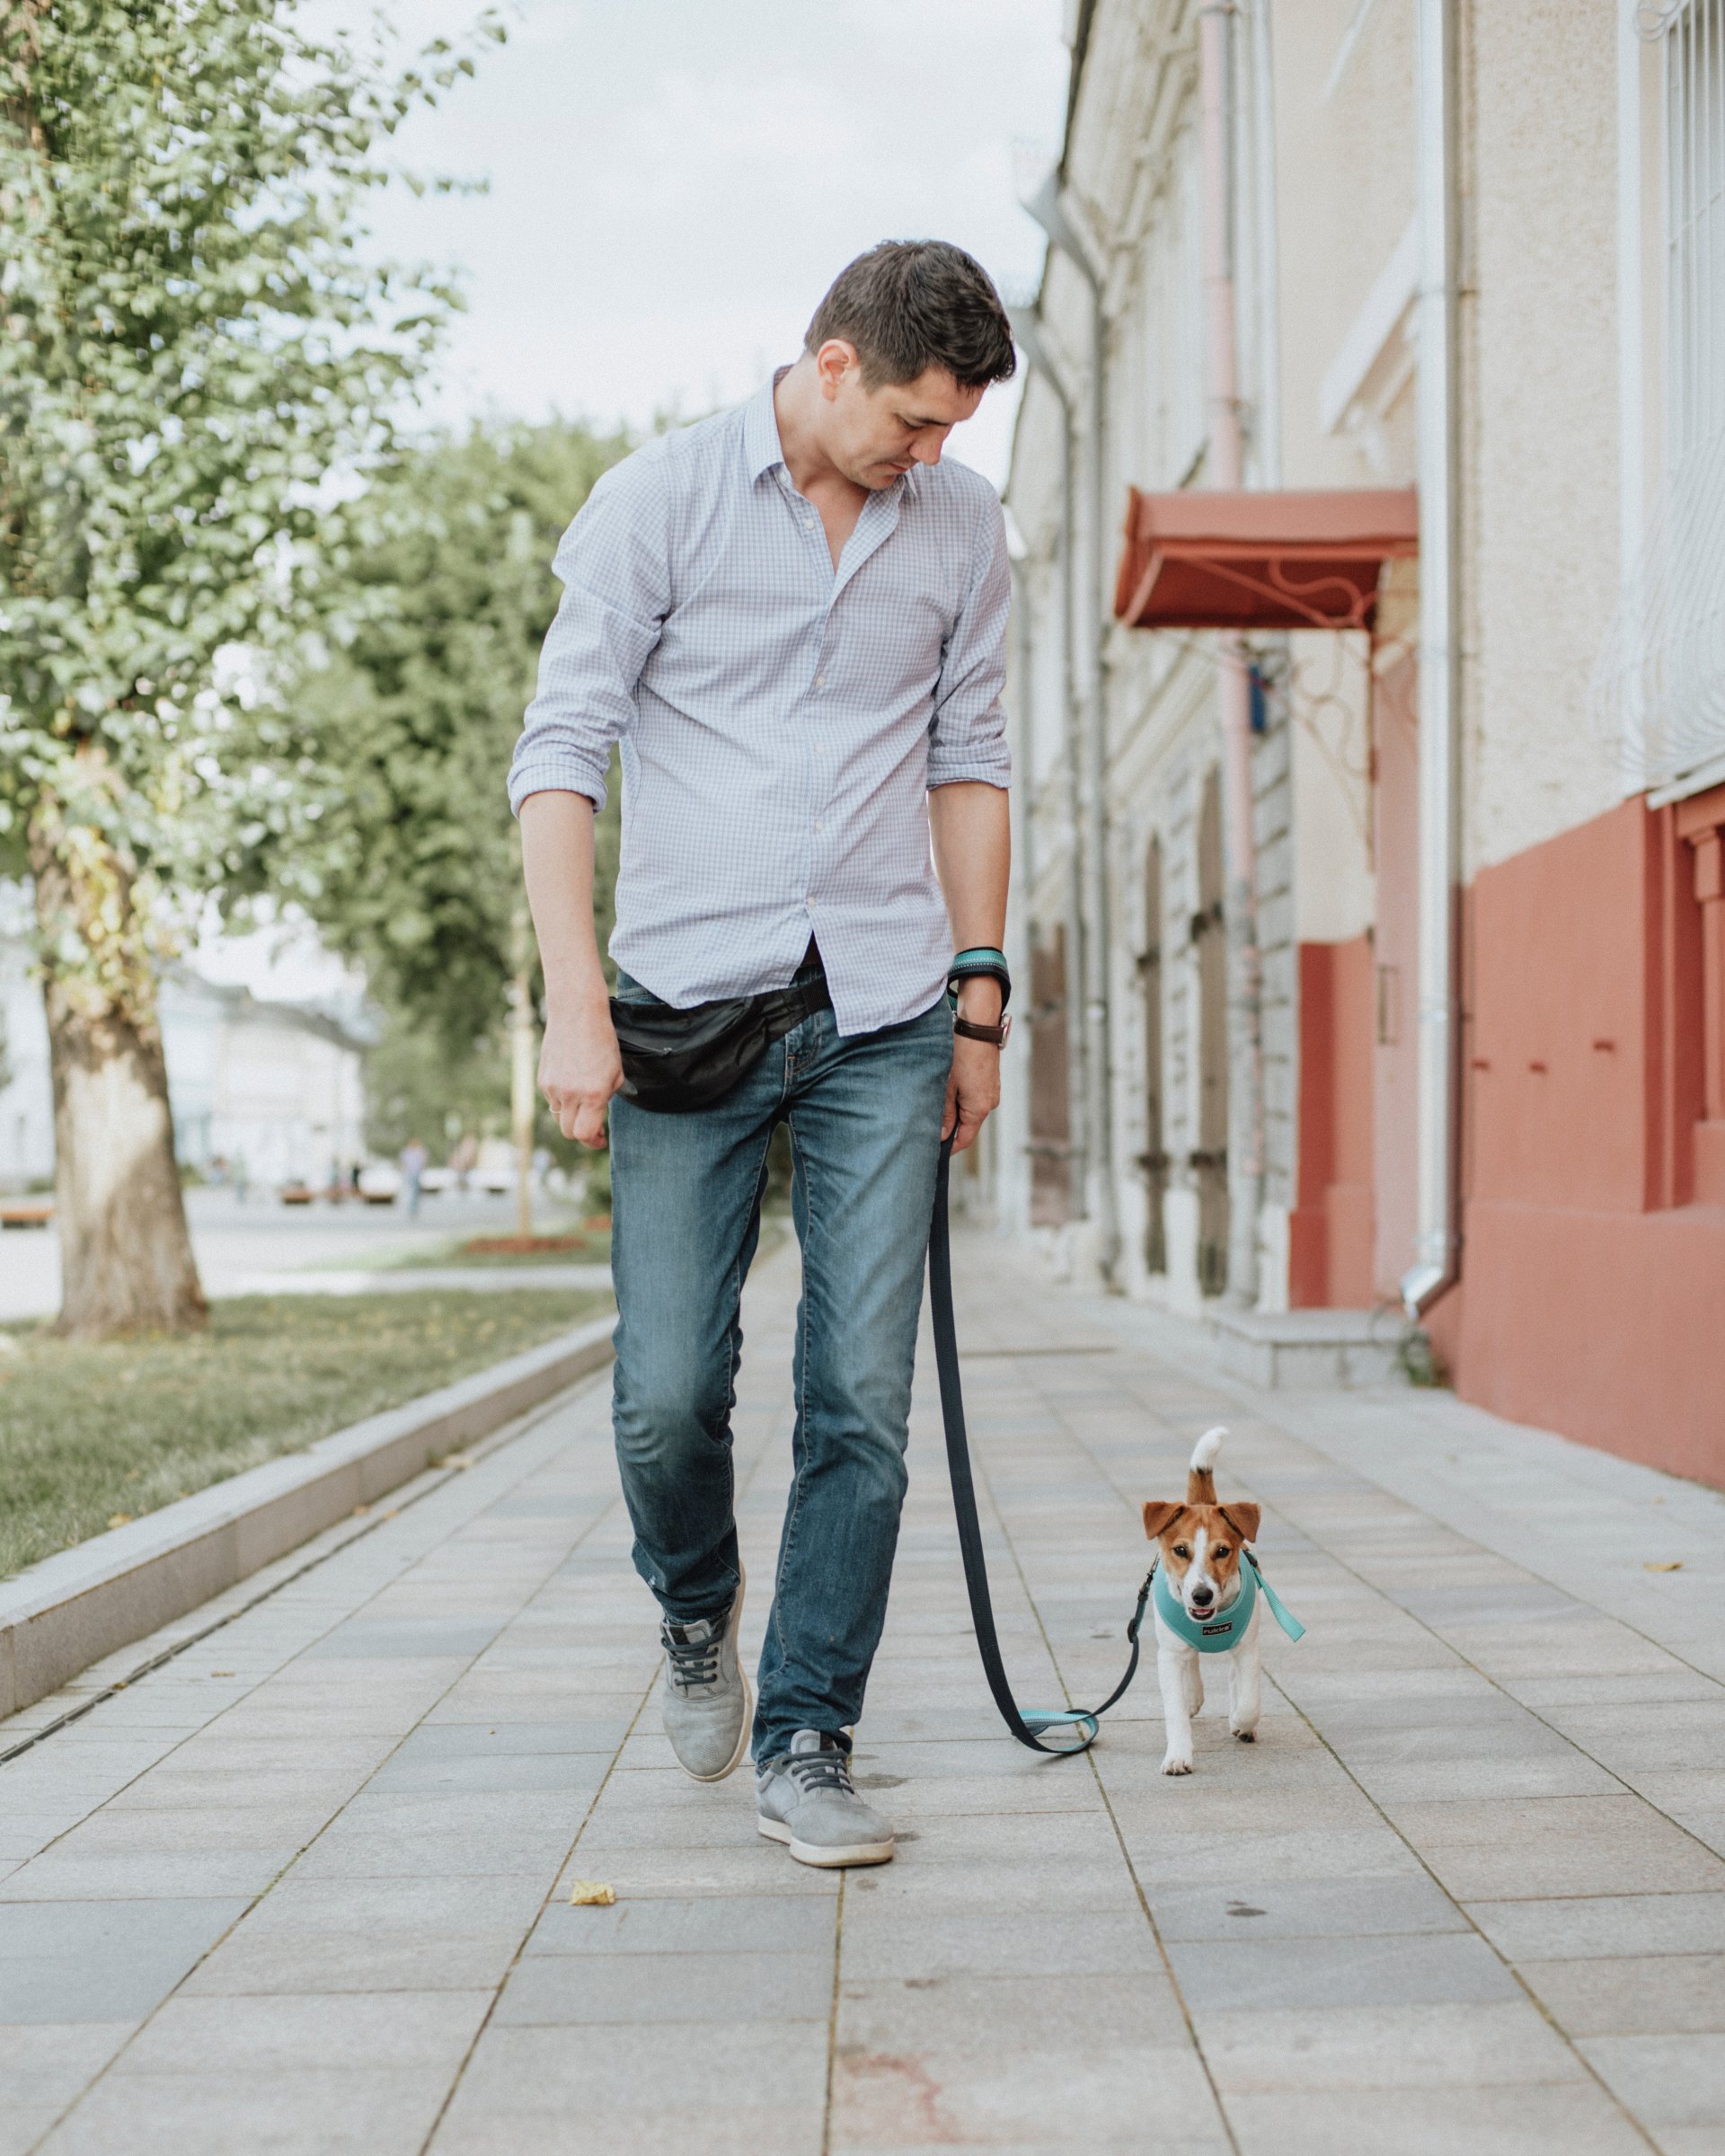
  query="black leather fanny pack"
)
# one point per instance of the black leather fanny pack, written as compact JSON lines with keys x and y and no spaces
{"x":677,"y":1061}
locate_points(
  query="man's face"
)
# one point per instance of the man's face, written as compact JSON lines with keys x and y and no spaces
{"x":874,"y":435}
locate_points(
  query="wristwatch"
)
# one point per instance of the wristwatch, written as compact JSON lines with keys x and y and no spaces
{"x":995,"y":1036}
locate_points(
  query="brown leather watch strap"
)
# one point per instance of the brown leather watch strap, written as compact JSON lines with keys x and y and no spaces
{"x":995,"y":1036}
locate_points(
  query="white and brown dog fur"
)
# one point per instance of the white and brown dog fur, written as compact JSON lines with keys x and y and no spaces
{"x":1200,"y":1555}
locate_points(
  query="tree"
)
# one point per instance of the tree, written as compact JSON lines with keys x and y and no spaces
{"x":191,"y":341}
{"x":440,"y":596}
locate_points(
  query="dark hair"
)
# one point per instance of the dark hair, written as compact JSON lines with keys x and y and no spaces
{"x":908,"y":305}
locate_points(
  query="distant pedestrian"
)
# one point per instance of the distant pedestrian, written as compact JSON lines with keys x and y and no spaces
{"x":792,"y":619}
{"x":463,"y":1158}
{"x":414,"y":1163}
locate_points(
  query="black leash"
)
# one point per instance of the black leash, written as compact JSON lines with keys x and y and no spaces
{"x":1084,"y":1722}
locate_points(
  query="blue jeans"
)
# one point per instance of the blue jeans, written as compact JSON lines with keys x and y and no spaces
{"x":864,"y":1116}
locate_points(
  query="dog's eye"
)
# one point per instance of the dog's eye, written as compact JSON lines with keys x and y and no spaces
{"x":1221,"y":1550}
{"x":1181,"y":1550}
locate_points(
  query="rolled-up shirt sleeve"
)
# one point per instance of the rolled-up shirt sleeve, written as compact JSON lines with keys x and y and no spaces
{"x":968,"y":731}
{"x":614,"y":564}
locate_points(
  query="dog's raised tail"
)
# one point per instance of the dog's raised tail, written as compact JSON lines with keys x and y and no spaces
{"x":1200,"y":1477}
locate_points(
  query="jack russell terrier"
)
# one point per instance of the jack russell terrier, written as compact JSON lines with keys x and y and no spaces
{"x":1206,"y":1599}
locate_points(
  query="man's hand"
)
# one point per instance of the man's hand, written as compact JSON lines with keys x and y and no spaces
{"x":973,"y":1090}
{"x":579,"y":1070}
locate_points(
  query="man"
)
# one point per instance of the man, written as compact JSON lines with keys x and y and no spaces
{"x":793,"y":618}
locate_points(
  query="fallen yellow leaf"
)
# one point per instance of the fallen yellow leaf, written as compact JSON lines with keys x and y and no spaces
{"x":1675,"y":1565}
{"x":121,"y":1519}
{"x":592,"y":1893}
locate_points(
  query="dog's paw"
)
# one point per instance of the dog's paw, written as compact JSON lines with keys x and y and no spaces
{"x":1177,"y":1763}
{"x":1246,"y":1736}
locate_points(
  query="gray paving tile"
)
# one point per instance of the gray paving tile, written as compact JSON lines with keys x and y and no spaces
{"x":569,"y":1773}
{"x":462,"y":1740}
{"x":566,"y":2071}
{"x":1431,"y":2046}
{"x":980,"y":1884}
{"x":57,"y":1876}
{"x":644,"y":1990}
{"x":1309,"y":1909}
{"x":769,"y":1924}
{"x":45,"y":2065}
{"x":899,"y":1943}
{"x":741,"y":2129}
{"x":1664,"y":2080}
{"x":429,"y":1903}
{"x":997,"y":2017}
{"x":1580,"y":1927}
{"x":241,"y":2036}
{"x":422,"y":1959}
{"x":1557,"y":1846}
{"x":309,"y":2110}
{"x":95,"y":1962}
{"x":1545,"y":2119}
{"x":1632,"y":1994}
{"x":1410,"y":1970}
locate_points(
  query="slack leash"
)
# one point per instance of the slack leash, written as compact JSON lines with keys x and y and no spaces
{"x":1028,"y":1725}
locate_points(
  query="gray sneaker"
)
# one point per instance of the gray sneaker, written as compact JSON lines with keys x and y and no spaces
{"x":806,"y":1800}
{"x":705,"y":1703}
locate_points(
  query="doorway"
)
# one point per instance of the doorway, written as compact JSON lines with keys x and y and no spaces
{"x":1153,"y":1159}
{"x":1050,"y":1101}
{"x":1209,"y":940}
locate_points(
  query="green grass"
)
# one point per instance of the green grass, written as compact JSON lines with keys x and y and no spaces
{"x":87,"y":1432}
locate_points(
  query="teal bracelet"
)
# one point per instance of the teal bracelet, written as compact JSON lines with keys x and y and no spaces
{"x":980,"y":960}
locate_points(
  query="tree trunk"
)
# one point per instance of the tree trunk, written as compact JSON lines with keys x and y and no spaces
{"x":125,"y":1251}
{"x":522,"y":1073}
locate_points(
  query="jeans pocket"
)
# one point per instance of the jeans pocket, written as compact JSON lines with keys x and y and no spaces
{"x":629,"y":990}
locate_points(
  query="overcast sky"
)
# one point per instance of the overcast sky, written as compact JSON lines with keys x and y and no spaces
{"x":675,"y":183}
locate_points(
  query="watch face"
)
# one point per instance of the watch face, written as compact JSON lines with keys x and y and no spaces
{"x":1005,"y":1027}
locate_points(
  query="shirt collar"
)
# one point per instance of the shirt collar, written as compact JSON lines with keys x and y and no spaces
{"x":764,"y":449}
{"x":761,"y":443}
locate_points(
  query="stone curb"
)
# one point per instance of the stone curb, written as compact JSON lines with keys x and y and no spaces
{"x":71,"y":1609}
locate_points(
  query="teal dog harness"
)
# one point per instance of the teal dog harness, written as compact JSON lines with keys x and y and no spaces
{"x":1224,"y":1630}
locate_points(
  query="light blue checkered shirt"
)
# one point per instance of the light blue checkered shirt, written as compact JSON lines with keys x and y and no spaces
{"x":780,"y":724}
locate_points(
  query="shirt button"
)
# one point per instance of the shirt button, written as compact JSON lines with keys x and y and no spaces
{"x":818,"y":825}
{"x":820,"y":681}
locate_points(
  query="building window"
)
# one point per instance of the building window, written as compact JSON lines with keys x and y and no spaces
{"x":1661,"y":680}
{"x":1693,"y":39}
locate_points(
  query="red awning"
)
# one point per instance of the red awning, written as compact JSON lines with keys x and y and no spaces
{"x":1217,"y":560}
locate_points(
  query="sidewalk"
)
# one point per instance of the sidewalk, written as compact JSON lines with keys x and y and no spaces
{"x":304,"y":1888}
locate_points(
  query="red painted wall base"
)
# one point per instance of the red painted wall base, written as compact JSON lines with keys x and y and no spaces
{"x":1592,"y":1299}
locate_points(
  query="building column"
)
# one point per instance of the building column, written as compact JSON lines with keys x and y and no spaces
{"x":1701,"y":821}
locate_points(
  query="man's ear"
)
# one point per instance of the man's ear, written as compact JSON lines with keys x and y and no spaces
{"x":1156,"y":1517}
{"x":1243,"y":1519}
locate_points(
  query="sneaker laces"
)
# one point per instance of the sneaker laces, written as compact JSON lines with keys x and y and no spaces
{"x":694,"y":1663}
{"x":814,"y":1772}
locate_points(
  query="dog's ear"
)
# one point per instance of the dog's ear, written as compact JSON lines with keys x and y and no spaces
{"x":1243,"y":1519}
{"x":1156,"y":1517}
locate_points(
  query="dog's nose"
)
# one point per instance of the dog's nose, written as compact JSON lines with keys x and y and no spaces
{"x":1203,"y":1596}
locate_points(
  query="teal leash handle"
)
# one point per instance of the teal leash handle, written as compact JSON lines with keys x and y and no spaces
{"x":1084,"y":1722}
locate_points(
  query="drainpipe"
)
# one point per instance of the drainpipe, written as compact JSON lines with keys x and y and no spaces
{"x":1268,"y":443}
{"x":1438,"y":1247}
{"x":1048,"y":209}
{"x":1245,"y":1053}
{"x":1080,"y":1109}
{"x":1011,"y":1158}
